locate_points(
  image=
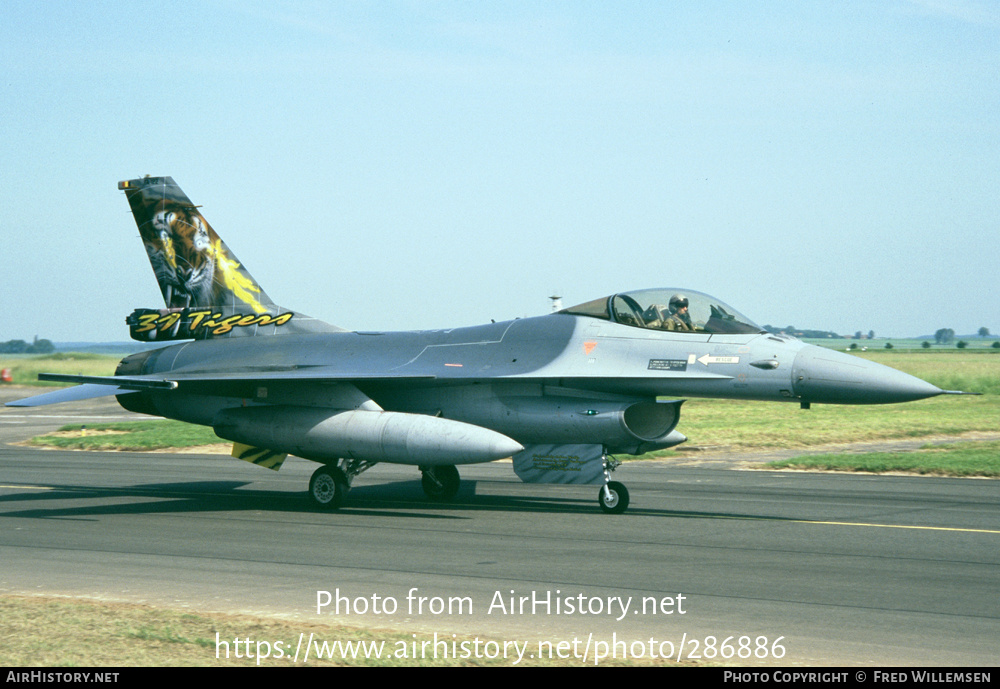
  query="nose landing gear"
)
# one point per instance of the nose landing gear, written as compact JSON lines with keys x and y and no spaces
{"x":613,"y":498}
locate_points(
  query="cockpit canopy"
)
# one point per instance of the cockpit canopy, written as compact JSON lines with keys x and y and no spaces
{"x":675,"y":310}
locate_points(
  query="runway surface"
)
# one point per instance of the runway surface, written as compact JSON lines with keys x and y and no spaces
{"x":827,"y":569}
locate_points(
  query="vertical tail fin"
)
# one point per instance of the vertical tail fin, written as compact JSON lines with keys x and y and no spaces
{"x":207,"y":291}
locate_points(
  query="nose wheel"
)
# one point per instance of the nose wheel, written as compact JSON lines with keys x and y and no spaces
{"x":613,"y":498}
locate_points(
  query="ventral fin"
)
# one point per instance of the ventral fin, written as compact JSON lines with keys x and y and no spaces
{"x":271,"y":459}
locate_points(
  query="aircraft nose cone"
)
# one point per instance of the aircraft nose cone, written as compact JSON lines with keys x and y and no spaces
{"x":824,"y":375}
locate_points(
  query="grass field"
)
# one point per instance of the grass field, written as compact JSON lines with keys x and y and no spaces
{"x":764,"y":425}
{"x":50,"y":633}
{"x":26,"y":367}
{"x":972,"y":370}
{"x":981,"y":459}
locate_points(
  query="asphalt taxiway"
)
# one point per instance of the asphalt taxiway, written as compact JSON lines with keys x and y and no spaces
{"x":837,"y":569}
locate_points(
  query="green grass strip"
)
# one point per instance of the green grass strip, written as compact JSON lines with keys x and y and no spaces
{"x":130,"y":436}
{"x":950,"y":459}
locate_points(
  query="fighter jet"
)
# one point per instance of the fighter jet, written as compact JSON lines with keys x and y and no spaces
{"x":561,"y":394}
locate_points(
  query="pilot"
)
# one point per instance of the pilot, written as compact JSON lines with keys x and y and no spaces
{"x":679,"y":318}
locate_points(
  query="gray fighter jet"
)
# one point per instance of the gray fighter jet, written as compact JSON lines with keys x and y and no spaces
{"x":560,"y":393}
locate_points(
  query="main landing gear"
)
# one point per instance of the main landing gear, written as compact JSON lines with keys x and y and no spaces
{"x":331,"y":482}
{"x":440,"y":483}
{"x":328,"y":486}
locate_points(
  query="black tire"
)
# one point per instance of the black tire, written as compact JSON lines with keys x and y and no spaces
{"x":443,"y":485}
{"x":618,"y":501}
{"x":327,"y":487}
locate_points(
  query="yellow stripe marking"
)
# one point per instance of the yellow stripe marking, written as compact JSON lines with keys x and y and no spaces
{"x":901,"y":526}
{"x":829,"y":523}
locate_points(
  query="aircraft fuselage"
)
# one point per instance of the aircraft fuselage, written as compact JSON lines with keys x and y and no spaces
{"x":540,"y":379}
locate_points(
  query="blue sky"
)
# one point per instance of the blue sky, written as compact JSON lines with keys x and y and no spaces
{"x":407,"y":165}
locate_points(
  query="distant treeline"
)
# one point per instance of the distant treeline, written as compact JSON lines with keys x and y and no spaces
{"x":943,"y":336}
{"x":22,"y":347}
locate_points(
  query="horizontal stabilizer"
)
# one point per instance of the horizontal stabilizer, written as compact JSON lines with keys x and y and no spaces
{"x":80,"y":392}
{"x":131,"y":384}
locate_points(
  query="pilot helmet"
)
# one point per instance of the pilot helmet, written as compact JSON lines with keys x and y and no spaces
{"x":678,"y":301}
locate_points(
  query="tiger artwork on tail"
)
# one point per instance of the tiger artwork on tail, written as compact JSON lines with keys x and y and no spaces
{"x":180,"y":247}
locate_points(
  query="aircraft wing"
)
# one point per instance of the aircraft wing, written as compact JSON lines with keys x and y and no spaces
{"x":101,"y":386}
{"x":89,"y":387}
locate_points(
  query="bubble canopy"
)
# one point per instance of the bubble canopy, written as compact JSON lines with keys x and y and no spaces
{"x":675,"y":310}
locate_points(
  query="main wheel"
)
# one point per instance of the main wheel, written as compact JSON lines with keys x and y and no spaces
{"x":327,"y":487}
{"x":441,"y":483}
{"x":616,"y":501}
